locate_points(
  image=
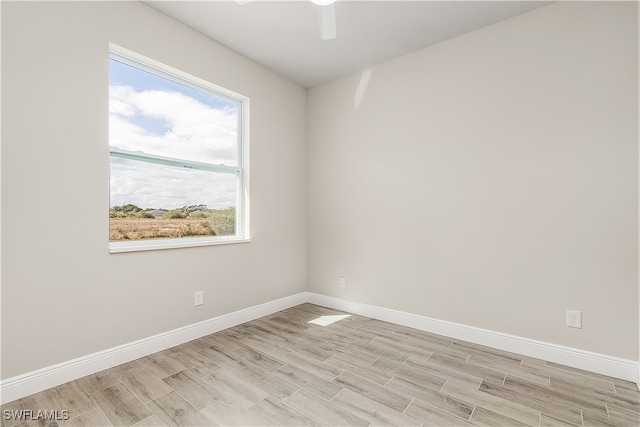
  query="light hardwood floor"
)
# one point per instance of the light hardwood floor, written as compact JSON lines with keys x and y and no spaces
{"x":281,"y":370}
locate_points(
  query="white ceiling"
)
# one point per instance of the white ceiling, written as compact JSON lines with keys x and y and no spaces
{"x":284,"y":35}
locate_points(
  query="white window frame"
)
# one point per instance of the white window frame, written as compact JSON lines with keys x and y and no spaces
{"x":241,"y":170}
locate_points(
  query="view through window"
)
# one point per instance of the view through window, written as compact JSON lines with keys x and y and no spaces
{"x":176,"y":151}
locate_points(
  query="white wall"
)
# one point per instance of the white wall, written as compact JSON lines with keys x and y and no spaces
{"x":63,"y":294}
{"x":490,"y":180}
{"x":638,"y":136}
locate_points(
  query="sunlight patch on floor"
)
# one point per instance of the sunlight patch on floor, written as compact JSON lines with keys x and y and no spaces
{"x":328,"y":320}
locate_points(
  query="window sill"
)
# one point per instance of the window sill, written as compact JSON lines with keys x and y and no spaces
{"x":155,"y":245}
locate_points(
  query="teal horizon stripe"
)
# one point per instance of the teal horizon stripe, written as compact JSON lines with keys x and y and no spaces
{"x":175,"y":162}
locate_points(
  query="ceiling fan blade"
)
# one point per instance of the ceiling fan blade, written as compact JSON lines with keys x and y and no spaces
{"x":327,"y":21}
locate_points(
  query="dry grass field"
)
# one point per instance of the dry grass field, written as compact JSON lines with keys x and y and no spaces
{"x":159,"y":228}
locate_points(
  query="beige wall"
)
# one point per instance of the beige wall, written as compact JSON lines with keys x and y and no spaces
{"x":490,"y":180}
{"x":63,"y":294}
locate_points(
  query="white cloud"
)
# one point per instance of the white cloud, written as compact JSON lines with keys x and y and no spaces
{"x":170,"y":124}
{"x":190,"y":129}
{"x":149,"y":185}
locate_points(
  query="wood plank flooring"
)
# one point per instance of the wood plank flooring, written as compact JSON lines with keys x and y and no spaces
{"x":281,"y":370}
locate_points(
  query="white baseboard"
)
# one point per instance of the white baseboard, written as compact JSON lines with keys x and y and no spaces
{"x":594,"y":362}
{"x":51,"y":376}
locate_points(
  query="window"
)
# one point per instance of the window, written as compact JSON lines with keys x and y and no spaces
{"x":178,"y":149}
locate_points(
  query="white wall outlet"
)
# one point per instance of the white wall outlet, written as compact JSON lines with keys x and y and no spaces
{"x":342,"y":282}
{"x":198,"y":298}
{"x":574,"y":319}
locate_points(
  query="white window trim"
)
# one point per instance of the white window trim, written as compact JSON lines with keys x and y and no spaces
{"x":154,"y":245}
{"x":242,"y":170}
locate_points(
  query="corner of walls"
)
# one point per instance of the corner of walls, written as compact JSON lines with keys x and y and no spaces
{"x":638,"y":163}
{"x":51,"y":376}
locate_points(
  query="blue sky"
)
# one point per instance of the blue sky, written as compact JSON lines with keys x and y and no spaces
{"x":154,"y":115}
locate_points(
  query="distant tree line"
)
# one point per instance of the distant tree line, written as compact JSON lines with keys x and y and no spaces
{"x":130,"y":211}
{"x":221,"y":222}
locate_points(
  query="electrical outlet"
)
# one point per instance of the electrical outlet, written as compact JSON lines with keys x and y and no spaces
{"x":342,"y":282}
{"x":574,"y":319}
{"x":198,"y":298}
